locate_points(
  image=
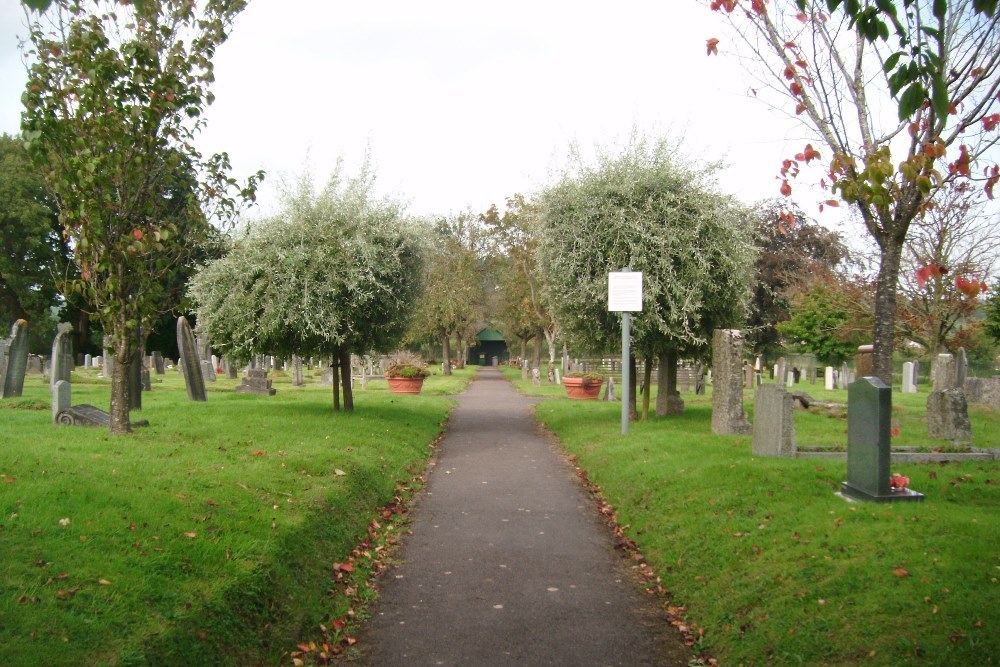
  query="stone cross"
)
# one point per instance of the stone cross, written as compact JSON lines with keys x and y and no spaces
{"x":728,"y":416}
{"x":194,"y":380}
{"x":869,"y":408}
{"x":14,"y":360}
{"x":773,"y":422}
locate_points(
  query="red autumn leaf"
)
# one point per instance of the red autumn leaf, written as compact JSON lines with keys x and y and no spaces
{"x":796,"y":89}
{"x":786,"y":189}
{"x":900,"y":572}
{"x":990,"y":122}
{"x":791,"y":45}
{"x":802,"y":17}
{"x":759,"y":6}
{"x":832,"y":202}
{"x":961,"y":165}
{"x":894,"y":432}
{"x":992,"y":181}
{"x":799,"y":108}
{"x":713,"y":46}
{"x":343,"y":567}
{"x":789,"y":72}
{"x":802,"y":63}
{"x":258,"y":452}
{"x":978,"y":72}
{"x":339,"y":624}
{"x":970,"y":287}
{"x":808,"y":154}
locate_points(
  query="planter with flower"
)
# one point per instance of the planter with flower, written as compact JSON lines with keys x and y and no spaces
{"x":406,"y":374}
{"x":583,"y":386}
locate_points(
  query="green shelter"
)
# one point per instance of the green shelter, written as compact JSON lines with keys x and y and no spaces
{"x":490,"y":349}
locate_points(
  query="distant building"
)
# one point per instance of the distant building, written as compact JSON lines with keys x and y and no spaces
{"x":490,"y":348}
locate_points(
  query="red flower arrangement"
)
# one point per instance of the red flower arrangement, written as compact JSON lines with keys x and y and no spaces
{"x":898,"y":481}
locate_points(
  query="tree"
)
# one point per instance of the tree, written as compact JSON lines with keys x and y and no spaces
{"x":788,"y":258}
{"x":992,"y":313}
{"x":34,"y":256}
{"x":334,"y":273}
{"x":453,"y":282}
{"x":647,"y":210}
{"x":949,"y":253}
{"x":113,"y":102}
{"x":835,"y":81}
{"x":829,"y":318}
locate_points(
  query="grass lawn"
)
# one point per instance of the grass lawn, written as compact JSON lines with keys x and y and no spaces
{"x":773,"y":566}
{"x":207,"y":538}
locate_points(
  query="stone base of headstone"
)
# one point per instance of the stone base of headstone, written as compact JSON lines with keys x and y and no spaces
{"x":256,"y":382}
{"x":948,"y":415}
{"x":893,"y":495}
{"x":773,"y":422}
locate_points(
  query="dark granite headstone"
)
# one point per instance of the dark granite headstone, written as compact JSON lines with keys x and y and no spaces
{"x":158,"y":363}
{"x":869,"y":408}
{"x":256,"y":382}
{"x":190,"y":361}
{"x":14,"y":363}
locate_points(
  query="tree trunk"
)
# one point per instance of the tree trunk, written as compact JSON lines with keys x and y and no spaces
{"x":647,"y":381}
{"x":461,"y":352}
{"x":118,"y":422}
{"x":335,"y":376}
{"x":536,"y":353}
{"x":550,"y":340}
{"x":446,"y":350}
{"x":345,"y":374}
{"x":885,"y":310}
{"x":633,"y":413}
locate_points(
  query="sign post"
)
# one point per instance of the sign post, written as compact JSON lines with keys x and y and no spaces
{"x":625,"y":296}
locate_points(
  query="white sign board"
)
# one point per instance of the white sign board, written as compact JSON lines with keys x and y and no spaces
{"x":625,"y":291}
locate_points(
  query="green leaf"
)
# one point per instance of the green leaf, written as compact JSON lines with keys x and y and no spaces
{"x":891,"y":62}
{"x":911,"y":100}
{"x":940,"y":9}
{"x":38,"y":5}
{"x":939,"y":96}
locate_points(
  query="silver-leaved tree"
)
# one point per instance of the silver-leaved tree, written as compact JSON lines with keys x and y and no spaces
{"x":114,"y":99}
{"x":648,"y":210}
{"x":336,"y":272}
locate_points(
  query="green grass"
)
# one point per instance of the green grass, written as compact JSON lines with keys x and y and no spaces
{"x":779,"y":570}
{"x":206,"y":538}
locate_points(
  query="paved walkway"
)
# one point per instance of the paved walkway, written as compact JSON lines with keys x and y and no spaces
{"x":509,"y":563}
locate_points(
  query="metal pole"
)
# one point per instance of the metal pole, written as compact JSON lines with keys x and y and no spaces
{"x":626,"y":370}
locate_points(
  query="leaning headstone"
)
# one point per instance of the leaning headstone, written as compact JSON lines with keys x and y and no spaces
{"x":773,"y":422}
{"x":828,"y":378}
{"x":14,"y":363}
{"x":869,"y":407}
{"x":909,"y":379}
{"x":948,"y":415}
{"x":190,"y":361}
{"x":61,"y":398}
{"x":728,"y":416}
{"x":256,"y":382}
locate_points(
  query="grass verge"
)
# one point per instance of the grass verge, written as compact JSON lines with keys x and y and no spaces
{"x":207,"y":538}
{"x":777,"y":569}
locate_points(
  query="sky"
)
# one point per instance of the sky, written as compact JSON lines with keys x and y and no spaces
{"x":463,"y":104}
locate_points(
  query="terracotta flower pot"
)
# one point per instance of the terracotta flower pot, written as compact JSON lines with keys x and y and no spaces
{"x":399,"y":385}
{"x":582,"y":388}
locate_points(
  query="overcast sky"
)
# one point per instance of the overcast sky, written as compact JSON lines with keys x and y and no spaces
{"x":463,"y":104}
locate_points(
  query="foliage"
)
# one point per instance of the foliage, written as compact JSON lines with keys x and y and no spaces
{"x":210,"y":541}
{"x":828,"y":319}
{"x":647,"y":210}
{"x":335,"y":271}
{"x":886,"y":169}
{"x":589,"y":377}
{"x":114,"y":99}
{"x":406,"y":365}
{"x":34,"y":256}
{"x":788,"y":258}
{"x":992,"y":313}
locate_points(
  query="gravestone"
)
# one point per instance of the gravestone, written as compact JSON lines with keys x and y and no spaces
{"x":790,"y":378}
{"x":14,"y":360}
{"x":36,"y":364}
{"x":983,"y":390}
{"x":780,"y":370}
{"x":232,"y":369}
{"x":61,"y":398}
{"x":297,"y":379}
{"x":728,"y":416}
{"x":158,"y":364}
{"x":609,"y":389}
{"x":747,"y":376}
{"x":536,"y":377}
{"x":869,"y":407}
{"x":864,"y":361}
{"x":828,"y":378}
{"x":945,"y":372}
{"x":326,"y":380}
{"x":147,"y":382}
{"x":948,"y":415}
{"x":190,"y":363}
{"x":773,"y":422}
{"x":699,"y":380}
{"x":558,"y":376}
{"x":62,"y":358}
{"x":961,"y":368}
{"x":909,"y":378}
{"x":256,"y":382}
{"x":87,"y":360}
{"x":843,"y":380}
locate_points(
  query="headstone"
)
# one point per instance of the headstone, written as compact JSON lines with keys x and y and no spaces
{"x":62,"y":358}
{"x":728,"y":416}
{"x":61,"y":398}
{"x":812,"y":373}
{"x":36,"y":364}
{"x":864,"y":361}
{"x":232,"y":370}
{"x":204,"y":349}
{"x":983,"y":390}
{"x":87,"y":360}
{"x":828,"y":378}
{"x":158,"y":364}
{"x":326,"y":380}
{"x":961,"y":367}
{"x":869,"y":408}
{"x":780,"y":369}
{"x":256,"y":382}
{"x":14,"y":360}
{"x":147,"y":382}
{"x":909,"y":379}
{"x":945,"y":372}
{"x":194,"y":380}
{"x":699,"y":380}
{"x":773,"y":422}
{"x":297,"y":380}
{"x":609,"y":389}
{"x":842,"y":382}
{"x":558,"y":377}
{"x":747,"y":376}
{"x":87,"y":415}
{"x":948,"y":415}
{"x":790,"y":378}
{"x":536,"y":377}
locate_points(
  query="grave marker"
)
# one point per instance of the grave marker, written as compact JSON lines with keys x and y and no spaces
{"x":773,"y":422}
{"x":909,"y":378}
{"x":194,"y":380}
{"x":728,"y":416}
{"x":256,"y":382}
{"x":14,"y":360}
